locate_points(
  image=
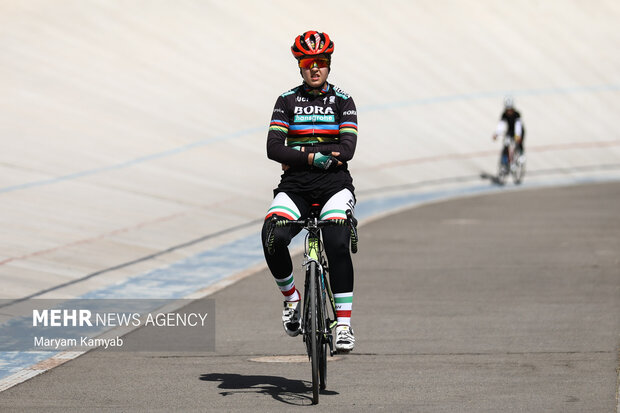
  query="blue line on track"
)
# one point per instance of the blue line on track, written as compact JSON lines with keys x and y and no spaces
{"x":131,"y":162}
{"x":370,"y":108}
{"x":492,"y":94}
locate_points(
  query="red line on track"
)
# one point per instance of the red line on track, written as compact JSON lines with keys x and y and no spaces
{"x":470,"y":155}
{"x":101,"y":236}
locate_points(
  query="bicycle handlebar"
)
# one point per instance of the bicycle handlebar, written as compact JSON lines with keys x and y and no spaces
{"x":353,"y":228}
{"x":310,"y":223}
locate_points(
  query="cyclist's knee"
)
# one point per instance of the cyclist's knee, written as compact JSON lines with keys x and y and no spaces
{"x":336,"y":240}
{"x":281,"y":236}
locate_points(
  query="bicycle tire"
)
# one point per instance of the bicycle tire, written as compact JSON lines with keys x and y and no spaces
{"x":517,"y":177}
{"x":313,"y":336}
{"x":322,"y":339}
{"x":501,"y":174}
{"x":519,"y":171}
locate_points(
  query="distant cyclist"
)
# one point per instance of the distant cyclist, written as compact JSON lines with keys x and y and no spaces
{"x":313,"y":134}
{"x":511,"y":125}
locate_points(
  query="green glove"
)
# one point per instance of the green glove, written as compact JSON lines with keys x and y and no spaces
{"x":323,"y":161}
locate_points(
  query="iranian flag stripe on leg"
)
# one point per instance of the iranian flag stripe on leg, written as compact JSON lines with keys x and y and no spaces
{"x":344,"y":303}
{"x":287,"y":287}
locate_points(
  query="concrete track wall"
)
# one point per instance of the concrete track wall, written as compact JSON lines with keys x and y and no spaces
{"x":128,"y":128}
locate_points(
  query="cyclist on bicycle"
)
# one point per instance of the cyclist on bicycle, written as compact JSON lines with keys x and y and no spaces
{"x":313,"y":134}
{"x":510,"y":125}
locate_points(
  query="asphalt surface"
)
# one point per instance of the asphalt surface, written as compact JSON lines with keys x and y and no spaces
{"x":507,"y":302}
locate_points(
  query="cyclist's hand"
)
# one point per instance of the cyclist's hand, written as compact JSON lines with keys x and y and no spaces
{"x":517,"y":138}
{"x":285,"y":167}
{"x":324,"y":161}
{"x":495,"y":136}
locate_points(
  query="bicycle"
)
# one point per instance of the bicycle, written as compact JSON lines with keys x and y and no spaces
{"x":318,"y":318}
{"x":513,"y":163}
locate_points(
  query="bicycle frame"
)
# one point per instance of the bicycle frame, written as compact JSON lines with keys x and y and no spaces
{"x":515,"y":165}
{"x":313,"y":253}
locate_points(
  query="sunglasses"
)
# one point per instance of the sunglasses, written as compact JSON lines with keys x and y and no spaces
{"x":309,"y":62}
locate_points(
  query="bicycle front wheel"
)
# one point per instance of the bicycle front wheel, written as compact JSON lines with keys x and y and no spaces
{"x":313,"y":335}
{"x":519,"y":170}
{"x":502,"y":171}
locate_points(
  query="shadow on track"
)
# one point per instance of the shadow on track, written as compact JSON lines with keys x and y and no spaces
{"x":295,"y":392}
{"x":493,"y":178}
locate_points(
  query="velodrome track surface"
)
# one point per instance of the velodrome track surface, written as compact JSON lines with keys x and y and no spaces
{"x":133,"y":133}
{"x":505,"y":302}
{"x":131,"y":129}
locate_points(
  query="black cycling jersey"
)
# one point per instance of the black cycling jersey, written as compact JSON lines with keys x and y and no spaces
{"x":320,"y":121}
{"x":511,"y":119}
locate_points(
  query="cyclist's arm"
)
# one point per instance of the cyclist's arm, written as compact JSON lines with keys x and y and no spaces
{"x":502,"y":128}
{"x":345,"y":149}
{"x":276,"y":138}
{"x":518,"y":129}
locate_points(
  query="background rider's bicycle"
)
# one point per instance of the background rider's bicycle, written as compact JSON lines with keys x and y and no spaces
{"x":319,"y":308}
{"x":511,"y":161}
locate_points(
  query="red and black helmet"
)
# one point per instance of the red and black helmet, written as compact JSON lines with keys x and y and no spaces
{"x":312,"y":43}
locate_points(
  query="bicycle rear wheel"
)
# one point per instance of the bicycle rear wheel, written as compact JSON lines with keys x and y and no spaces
{"x":313,"y":336}
{"x":502,"y":171}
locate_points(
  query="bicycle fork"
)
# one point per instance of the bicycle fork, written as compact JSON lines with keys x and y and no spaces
{"x":325,"y":324}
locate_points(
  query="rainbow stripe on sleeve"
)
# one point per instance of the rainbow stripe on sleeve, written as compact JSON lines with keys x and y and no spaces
{"x":279,"y":126}
{"x":348,"y":127}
